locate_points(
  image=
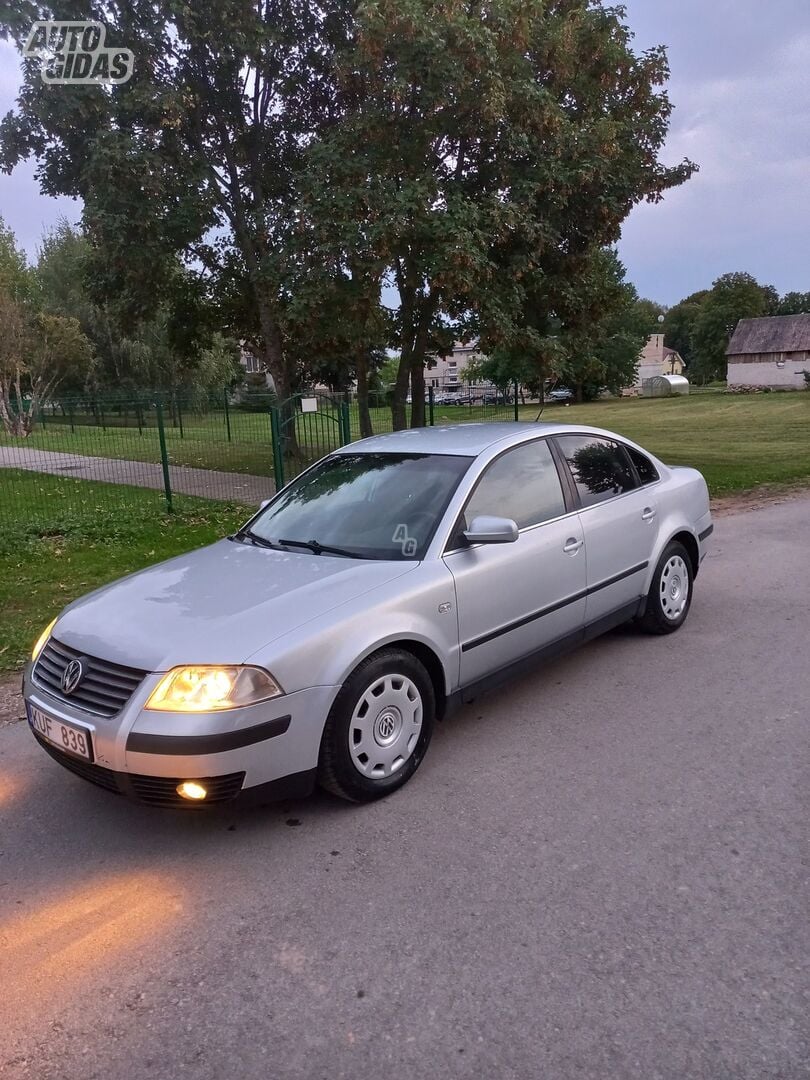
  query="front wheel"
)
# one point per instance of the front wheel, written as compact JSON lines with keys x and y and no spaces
{"x":670,"y":594}
{"x":379,"y":727}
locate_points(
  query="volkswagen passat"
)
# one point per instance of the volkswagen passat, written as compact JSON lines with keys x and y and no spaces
{"x":394,"y":579}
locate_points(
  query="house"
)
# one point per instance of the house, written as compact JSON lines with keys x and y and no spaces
{"x":446,"y":372}
{"x":656,"y":358}
{"x":771,"y":351}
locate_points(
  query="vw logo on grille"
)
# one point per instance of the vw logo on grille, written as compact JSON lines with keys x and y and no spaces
{"x":72,"y":676}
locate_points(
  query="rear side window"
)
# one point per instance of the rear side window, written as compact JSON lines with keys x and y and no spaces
{"x":647,"y":472}
{"x":600,"y":468}
{"x":522,"y":484}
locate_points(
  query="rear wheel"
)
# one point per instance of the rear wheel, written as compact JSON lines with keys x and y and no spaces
{"x":379,"y":727}
{"x":670,"y":594}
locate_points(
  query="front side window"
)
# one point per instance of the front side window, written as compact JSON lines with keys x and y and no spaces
{"x":522,"y":484}
{"x":600,"y":468}
{"x":373,"y":506}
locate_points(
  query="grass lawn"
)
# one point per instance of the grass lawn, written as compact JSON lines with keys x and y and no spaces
{"x":204,"y":440}
{"x":737,"y":442}
{"x":53,"y":555}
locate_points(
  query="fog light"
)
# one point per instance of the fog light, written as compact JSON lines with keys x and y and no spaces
{"x":190,"y":789}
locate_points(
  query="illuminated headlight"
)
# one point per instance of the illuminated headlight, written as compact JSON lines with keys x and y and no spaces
{"x":211,"y":689}
{"x":43,"y":637}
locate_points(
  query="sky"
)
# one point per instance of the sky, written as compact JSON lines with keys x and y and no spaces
{"x":740,"y":86}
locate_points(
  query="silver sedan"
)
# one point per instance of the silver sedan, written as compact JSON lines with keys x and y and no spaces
{"x":393,"y":580}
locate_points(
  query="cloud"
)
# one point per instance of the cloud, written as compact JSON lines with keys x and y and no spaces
{"x":745,"y":119}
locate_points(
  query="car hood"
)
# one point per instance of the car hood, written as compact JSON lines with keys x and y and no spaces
{"x":217,"y":605}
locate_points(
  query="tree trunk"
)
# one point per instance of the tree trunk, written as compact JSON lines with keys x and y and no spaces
{"x":417,"y":392}
{"x":399,"y":418}
{"x":579,"y":391}
{"x":361,"y":367}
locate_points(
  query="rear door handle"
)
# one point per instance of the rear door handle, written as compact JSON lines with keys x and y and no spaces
{"x":572,"y":546}
{"x":648,"y":513}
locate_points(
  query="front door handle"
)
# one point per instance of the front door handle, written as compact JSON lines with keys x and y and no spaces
{"x":648,"y":513}
{"x":572,"y":546}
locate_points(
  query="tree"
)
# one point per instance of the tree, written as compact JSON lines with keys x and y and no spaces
{"x":732,"y":297}
{"x":679,"y":324}
{"x":198,"y":155}
{"x":495,"y":142}
{"x":38,"y":354}
{"x":603,"y":327}
{"x":793,"y":303}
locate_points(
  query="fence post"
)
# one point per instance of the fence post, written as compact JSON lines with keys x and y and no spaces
{"x":227,"y":413}
{"x":431,"y":397}
{"x":278,"y":452}
{"x":345,"y":423}
{"x":70,"y":415}
{"x":179,"y":417}
{"x":517,"y":414}
{"x":164,"y":457}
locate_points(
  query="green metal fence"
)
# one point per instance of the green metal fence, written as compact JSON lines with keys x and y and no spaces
{"x":160,"y":450}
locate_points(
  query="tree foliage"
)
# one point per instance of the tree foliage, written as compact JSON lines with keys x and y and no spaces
{"x":470,"y":154}
{"x":732,"y":297}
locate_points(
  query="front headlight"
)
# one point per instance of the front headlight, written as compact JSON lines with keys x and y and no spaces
{"x":43,"y":637}
{"x":211,"y":689}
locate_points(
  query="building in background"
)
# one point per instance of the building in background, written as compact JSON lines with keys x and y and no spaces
{"x":770,"y":352}
{"x":447,"y":371}
{"x":656,"y":358}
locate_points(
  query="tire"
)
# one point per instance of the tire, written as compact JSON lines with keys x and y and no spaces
{"x":378,"y":728}
{"x":670,"y":595}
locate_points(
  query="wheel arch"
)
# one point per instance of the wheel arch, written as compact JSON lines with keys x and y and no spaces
{"x":426,"y":655}
{"x":690,"y":543}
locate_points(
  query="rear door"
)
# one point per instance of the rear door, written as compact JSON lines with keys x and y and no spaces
{"x":618,"y":516}
{"x":513,"y":599}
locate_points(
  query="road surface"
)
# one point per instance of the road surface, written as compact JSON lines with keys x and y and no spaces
{"x":599,"y":873}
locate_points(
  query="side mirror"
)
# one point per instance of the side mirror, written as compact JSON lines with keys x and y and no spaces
{"x":263,"y":503}
{"x":491,"y":530}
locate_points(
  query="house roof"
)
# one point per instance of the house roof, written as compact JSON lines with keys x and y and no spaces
{"x":771,"y":334}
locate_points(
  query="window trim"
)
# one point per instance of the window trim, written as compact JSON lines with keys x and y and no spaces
{"x":568,"y":500}
{"x":603,"y":438}
{"x":619,"y":442}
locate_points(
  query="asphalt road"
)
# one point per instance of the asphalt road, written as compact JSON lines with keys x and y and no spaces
{"x":601,"y":872}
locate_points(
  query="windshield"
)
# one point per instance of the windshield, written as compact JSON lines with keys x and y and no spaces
{"x":373,"y":506}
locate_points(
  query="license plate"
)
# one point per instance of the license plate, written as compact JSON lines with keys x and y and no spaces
{"x":68,"y":737}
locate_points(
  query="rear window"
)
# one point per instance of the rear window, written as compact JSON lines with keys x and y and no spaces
{"x":647,"y":472}
{"x":600,"y":467}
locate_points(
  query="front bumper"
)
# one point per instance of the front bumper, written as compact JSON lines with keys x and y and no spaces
{"x":263,"y":751}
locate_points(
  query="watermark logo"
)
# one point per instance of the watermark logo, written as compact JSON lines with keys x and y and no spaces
{"x":407,"y":542}
{"x":74,"y":53}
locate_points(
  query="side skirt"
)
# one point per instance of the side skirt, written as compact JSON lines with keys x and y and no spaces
{"x":521,"y":667}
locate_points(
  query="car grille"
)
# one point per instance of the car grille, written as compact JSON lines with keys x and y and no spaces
{"x":153,"y":790}
{"x":105,"y":688}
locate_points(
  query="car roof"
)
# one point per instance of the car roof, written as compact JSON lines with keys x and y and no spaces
{"x":467,"y":440}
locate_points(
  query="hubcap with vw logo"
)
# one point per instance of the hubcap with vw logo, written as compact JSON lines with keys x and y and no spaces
{"x":72,"y":676}
{"x":385,"y":726}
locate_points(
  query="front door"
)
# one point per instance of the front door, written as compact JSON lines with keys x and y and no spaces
{"x":513,"y":599}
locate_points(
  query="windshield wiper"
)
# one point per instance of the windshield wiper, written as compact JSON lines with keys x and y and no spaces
{"x":254,"y":538}
{"x":324,"y":549}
